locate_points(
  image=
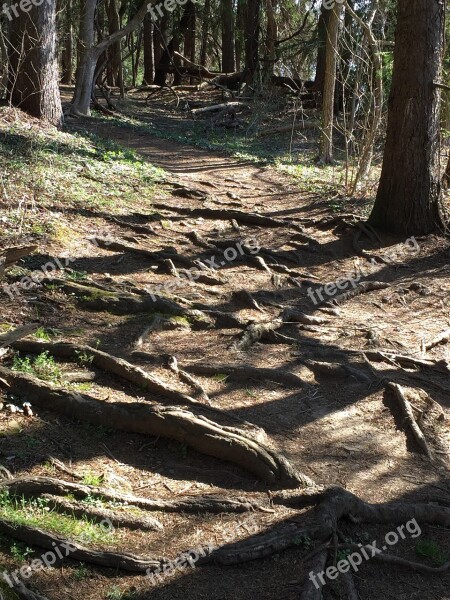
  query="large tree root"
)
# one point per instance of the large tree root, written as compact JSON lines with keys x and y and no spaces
{"x":244,"y":373}
{"x":37,"y":486}
{"x":110,"y":364}
{"x":114,"y":560}
{"x":123,"y":369}
{"x":246,"y":218}
{"x":78,"y":509}
{"x":19,"y":591}
{"x":157,"y":257}
{"x":200,"y":433}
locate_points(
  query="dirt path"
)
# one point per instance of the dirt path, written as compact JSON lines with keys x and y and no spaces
{"x":338,"y":426}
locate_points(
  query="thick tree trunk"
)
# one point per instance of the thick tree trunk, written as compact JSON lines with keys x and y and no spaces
{"x":409,"y":195}
{"x":228,"y":57}
{"x":33,"y":64}
{"x":322,"y":28}
{"x":330,"y":84}
{"x":271,"y":38}
{"x":251,"y":38}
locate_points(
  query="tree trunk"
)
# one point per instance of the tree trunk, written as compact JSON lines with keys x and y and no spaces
{"x":90,"y":55}
{"x":149,"y":64}
{"x":67,"y":50}
{"x":409,"y":195}
{"x":205,"y":32}
{"x":33,"y":63}
{"x":251,"y":38}
{"x":322,"y":28}
{"x":330,"y":85}
{"x":228,"y":58}
{"x":271,"y":38}
{"x":163,"y":67}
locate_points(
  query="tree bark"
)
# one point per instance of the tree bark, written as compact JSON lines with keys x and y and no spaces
{"x":330,"y":84}
{"x":409,"y":195}
{"x":228,"y":56}
{"x":251,"y":38}
{"x":91,"y":53}
{"x":149,"y":65}
{"x":33,"y":64}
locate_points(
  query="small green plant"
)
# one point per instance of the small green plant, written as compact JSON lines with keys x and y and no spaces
{"x":81,"y":572}
{"x":92,"y":479}
{"x":43,"y":366}
{"x":220,"y":377}
{"x":42,"y":334}
{"x":116,"y":594}
{"x":431,"y":550}
{"x":77,"y":275}
{"x":20,"y":552}
{"x":251,"y":393}
{"x":84,"y":358}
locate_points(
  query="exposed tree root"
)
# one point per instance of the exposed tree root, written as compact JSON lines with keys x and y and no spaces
{"x":337,"y":370}
{"x":110,"y":364}
{"x":20,"y":591}
{"x":15,"y":253}
{"x":245,"y":372}
{"x":402,"y":562}
{"x":125,"y":304}
{"x":295,"y":316}
{"x":114,"y":560}
{"x":157,"y":257}
{"x":442,"y":338}
{"x":255,"y":332}
{"x":123,"y":369}
{"x":186,"y":378}
{"x":118,"y":519}
{"x":408,"y":361}
{"x":360,"y":288}
{"x":145,"y":229}
{"x":18,"y":333}
{"x":408,"y":414}
{"x":200,"y":433}
{"x":36,"y":486}
{"x":246,"y":218}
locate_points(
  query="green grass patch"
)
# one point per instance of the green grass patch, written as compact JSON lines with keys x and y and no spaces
{"x":37,"y":513}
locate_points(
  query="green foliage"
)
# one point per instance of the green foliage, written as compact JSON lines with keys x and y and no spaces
{"x":36,"y":512}
{"x":43,"y":366}
{"x":431,"y":550}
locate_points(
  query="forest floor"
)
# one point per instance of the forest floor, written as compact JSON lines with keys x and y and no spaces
{"x":337,"y":425}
